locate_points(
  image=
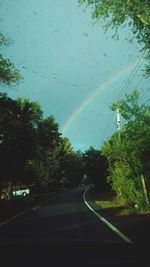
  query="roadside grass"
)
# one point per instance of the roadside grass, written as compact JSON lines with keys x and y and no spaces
{"x":113,"y":206}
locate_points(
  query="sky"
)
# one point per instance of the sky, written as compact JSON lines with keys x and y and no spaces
{"x":71,"y":66}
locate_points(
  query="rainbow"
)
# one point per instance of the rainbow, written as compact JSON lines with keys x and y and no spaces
{"x":113,"y":78}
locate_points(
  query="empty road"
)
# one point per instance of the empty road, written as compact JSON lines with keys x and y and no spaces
{"x":64,"y":217}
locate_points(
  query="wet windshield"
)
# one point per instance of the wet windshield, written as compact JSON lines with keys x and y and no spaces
{"x":75,"y":120}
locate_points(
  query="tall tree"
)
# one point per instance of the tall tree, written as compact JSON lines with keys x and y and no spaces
{"x":47,"y":139}
{"x":69,"y":164}
{"x":95,"y":167}
{"x":18,"y":124}
{"x":128,"y":151}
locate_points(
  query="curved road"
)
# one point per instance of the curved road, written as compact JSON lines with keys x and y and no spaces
{"x":64,"y":217}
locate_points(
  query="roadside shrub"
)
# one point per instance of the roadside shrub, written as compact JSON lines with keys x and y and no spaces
{"x":127,"y":187}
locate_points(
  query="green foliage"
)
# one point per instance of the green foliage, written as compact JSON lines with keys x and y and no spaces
{"x":32,"y":110}
{"x":17,"y":142}
{"x":32,"y":149}
{"x":129,"y":108}
{"x":113,"y":13}
{"x":47,"y":133}
{"x":8,"y":73}
{"x":128,"y":152}
{"x":95,"y":167}
{"x":70,"y":164}
{"x":127,"y":187}
{"x":3,"y":40}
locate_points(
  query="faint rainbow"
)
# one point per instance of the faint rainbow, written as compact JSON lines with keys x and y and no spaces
{"x":114,"y":77}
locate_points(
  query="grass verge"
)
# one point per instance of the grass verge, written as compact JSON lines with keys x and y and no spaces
{"x":113,"y":206}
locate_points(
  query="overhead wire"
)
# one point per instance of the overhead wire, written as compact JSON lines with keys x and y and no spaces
{"x":132,"y":75}
{"x":139,"y":82}
{"x":146,"y":101}
{"x":125,"y":87}
{"x":144,"y":94}
{"x":107,"y":123}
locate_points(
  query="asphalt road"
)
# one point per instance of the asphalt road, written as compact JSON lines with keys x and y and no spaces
{"x":64,"y":232}
{"x":64,"y":217}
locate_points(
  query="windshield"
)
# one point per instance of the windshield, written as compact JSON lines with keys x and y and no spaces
{"x":75,"y":121}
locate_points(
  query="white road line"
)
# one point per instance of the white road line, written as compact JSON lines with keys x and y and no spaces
{"x":112,"y":227}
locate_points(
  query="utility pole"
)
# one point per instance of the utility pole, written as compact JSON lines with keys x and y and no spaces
{"x":145,"y":190}
{"x":118,"y":119}
{"x":118,"y":122}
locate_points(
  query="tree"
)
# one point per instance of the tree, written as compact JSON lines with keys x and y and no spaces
{"x":72,"y":171}
{"x":32,"y":149}
{"x":69,"y":164}
{"x":127,"y":151}
{"x":8,"y":73}
{"x":44,"y":164}
{"x":9,"y":123}
{"x":17,"y":136}
{"x":47,"y":133}
{"x":135,"y":13}
{"x":31,"y":110}
{"x":95,"y":167}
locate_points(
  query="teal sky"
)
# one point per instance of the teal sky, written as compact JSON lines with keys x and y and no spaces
{"x":70,"y":65}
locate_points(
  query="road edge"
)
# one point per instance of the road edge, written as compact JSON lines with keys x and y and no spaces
{"x":105,"y":221}
{"x":32,"y":208}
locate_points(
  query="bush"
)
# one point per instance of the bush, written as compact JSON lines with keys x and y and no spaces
{"x":128,"y":188}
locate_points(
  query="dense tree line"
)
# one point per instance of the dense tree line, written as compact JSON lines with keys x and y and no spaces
{"x":33,"y":151}
{"x":31,"y":148}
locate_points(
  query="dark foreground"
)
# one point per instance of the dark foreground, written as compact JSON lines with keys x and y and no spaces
{"x":64,"y":231}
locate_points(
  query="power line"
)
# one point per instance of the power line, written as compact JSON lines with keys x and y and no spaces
{"x":144,"y":92}
{"x":109,"y":120}
{"x":125,"y":87}
{"x":113,"y":128}
{"x":139,"y":82}
{"x":105,"y":127}
{"x":111,"y":115}
{"x":132,"y":75}
{"x":146,"y":101}
{"x":112,"y":119}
